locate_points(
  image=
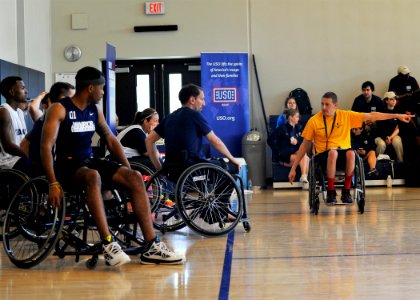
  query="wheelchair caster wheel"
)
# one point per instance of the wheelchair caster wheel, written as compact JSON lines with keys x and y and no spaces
{"x":247,"y":226}
{"x":91,"y":263}
{"x":361,"y":205}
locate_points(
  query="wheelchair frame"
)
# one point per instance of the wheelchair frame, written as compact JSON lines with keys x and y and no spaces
{"x":32,"y":228}
{"x":317,"y":185}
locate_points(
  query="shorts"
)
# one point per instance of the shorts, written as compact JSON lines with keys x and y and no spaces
{"x":66,"y":169}
{"x":322,"y":158}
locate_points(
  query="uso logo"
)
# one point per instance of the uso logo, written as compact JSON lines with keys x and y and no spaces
{"x":225,"y":94}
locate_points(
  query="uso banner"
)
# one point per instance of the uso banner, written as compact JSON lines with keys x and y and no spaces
{"x":224,"y":78}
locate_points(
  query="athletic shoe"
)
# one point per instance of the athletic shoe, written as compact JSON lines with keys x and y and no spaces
{"x":305,"y":186}
{"x":114,"y":255}
{"x":373,"y":173}
{"x":159,"y":253}
{"x":304,"y":179}
{"x":331,"y":197}
{"x":346,"y":197}
{"x":169,"y":203}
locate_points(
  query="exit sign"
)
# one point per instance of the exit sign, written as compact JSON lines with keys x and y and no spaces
{"x":155,"y":8}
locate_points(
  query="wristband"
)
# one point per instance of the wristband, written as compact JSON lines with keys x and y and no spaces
{"x":55,"y":184}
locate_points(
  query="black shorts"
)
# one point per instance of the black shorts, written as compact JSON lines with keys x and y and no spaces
{"x":65,"y":170}
{"x":322,"y":158}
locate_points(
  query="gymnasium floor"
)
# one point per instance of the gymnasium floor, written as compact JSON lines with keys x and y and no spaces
{"x":289,"y":254}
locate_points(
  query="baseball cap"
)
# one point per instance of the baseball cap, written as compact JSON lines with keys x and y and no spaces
{"x":389,"y":95}
{"x":403,"y":70}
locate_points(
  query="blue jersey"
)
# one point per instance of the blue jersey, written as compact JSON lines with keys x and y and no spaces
{"x":35,"y":141}
{"x":75,"y":134}
{"x":183,"y":131}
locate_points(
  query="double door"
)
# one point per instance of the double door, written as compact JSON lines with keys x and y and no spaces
{"x":152,"y":83}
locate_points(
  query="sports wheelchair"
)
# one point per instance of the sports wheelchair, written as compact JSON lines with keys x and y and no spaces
{"x":206,"y":198}
{"x":32,"y":228}
{"x":10,"y":182}
{"x":318,"y":184}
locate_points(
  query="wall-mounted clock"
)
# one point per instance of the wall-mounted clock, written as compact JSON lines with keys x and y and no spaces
{"x":72,"y":53}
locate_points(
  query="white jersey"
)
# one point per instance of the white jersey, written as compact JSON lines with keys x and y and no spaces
{"x":18,"y":132}
{"x":129,"y":152}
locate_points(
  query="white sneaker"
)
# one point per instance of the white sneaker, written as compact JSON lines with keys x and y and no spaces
{"x":305,"y":186}
{"x":304,"y":179}
{"x":114,"y":255}
{"x":159,"y":253}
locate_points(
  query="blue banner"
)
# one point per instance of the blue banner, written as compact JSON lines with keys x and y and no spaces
{"x":224,"y":78}
{"x":111,"y":114}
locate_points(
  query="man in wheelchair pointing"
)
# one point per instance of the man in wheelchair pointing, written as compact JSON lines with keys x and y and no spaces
{"x":329,"y":131}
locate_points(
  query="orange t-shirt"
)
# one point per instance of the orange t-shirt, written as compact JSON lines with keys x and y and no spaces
{"x":340,"y":137}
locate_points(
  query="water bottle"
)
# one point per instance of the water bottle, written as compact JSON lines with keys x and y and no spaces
{"x":249,"y":185}
{"x":389,"y":181}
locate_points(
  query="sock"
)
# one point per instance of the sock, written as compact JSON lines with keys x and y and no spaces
{"x":331,"y":185}
{"x":347,"y":182}
{"x":107,"y":240}
{"x":149,"y":243}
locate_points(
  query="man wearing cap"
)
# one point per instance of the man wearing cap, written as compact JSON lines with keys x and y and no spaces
{"x":388,"y":130}
{"x":12,"y":124}
{"x":404,"y":85}
{"x":329,"y":131}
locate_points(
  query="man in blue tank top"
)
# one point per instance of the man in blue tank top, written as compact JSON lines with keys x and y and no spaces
{"x":70,"y":124}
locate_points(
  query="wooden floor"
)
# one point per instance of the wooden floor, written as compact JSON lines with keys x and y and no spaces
{"x":289,"y":254}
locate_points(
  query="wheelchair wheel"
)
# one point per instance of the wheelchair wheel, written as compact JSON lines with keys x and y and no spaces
{"x":32,"y":226}
{"x":359,"y":186}
{"x":146,"y":174}
{"x":122,"y":222}
{"x":313,"y":192}
{"x":10,"y":182}
{"x":164,"y":212}
{"x":209,"y":200}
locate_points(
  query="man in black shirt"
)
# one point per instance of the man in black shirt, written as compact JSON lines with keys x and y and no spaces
{"x":404,"y":85}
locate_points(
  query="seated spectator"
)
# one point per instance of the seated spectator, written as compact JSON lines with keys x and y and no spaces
{"x":404,"y":85}
{"x":367,"y":102}
{"x":290,"y":103}
{"x":285,"y":142}
{"x":364,"y":144}
{"x":388,"y":130}
{"x":133,"y":138}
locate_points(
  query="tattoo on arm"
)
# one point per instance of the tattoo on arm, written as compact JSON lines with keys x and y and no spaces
{"x":103,"y":130}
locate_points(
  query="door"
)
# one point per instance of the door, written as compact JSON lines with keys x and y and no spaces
{"x":152,"y":83}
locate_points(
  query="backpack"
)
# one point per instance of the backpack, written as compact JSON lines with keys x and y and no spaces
{"x":302,"y":100}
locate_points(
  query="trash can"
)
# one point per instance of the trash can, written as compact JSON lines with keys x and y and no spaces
{"x":253,"y":150}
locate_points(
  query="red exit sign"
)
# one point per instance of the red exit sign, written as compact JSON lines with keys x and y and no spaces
{"x":155,"y":8}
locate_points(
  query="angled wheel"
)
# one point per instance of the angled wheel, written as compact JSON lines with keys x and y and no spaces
{"x":359,"y":187}
{"x":209,"y":200}
{"x":10,"y":182}
{"x":31,"y":226}
{"x":313,"y":193}
{"x":164,"y":212}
